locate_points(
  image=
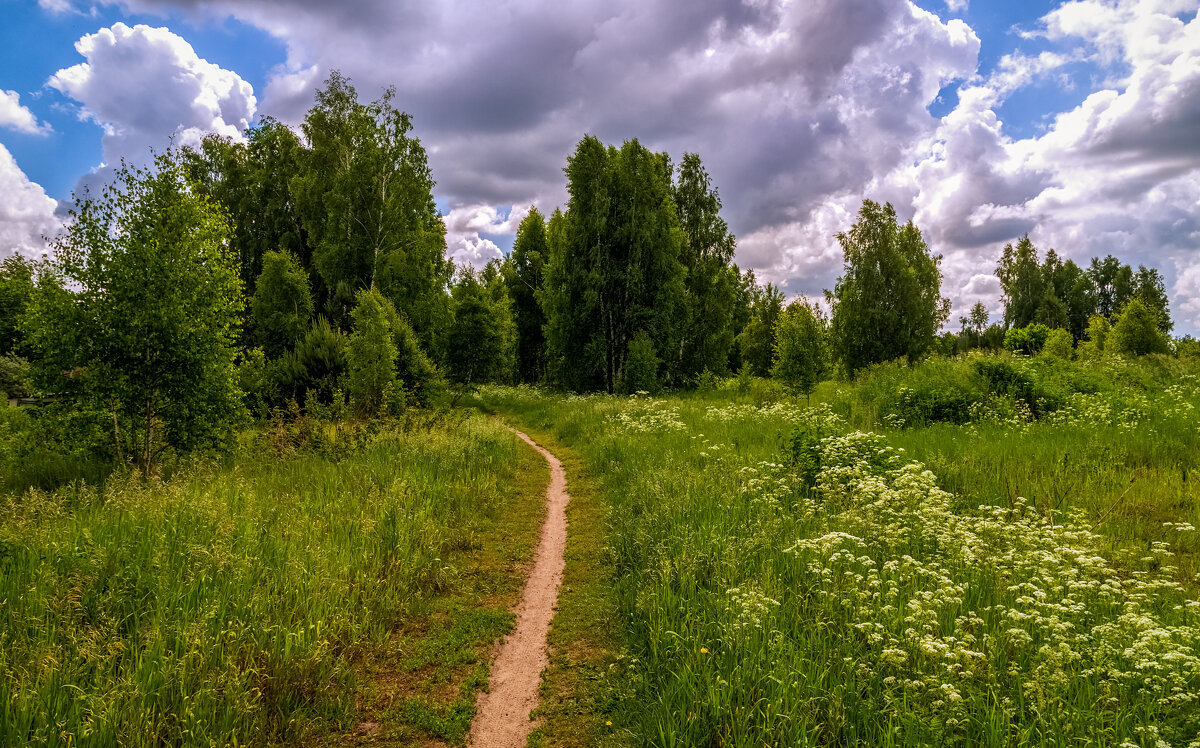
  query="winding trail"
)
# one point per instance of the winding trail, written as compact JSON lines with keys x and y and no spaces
{"x":502,"y":717}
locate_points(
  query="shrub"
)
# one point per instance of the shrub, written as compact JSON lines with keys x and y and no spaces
{"x":1028,"y":340}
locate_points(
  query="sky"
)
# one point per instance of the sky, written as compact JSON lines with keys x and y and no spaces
{"x":1075,"y":122}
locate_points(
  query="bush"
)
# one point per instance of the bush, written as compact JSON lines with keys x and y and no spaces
{"x":1059,"y":345}
{"x":641,"y":366}
{"x":1028,"y":340}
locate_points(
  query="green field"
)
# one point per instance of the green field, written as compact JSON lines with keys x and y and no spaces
{"x":793,"y":575}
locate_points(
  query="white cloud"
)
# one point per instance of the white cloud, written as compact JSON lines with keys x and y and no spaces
{"x":26,"y":212}
{"x":144,"y":85}
{"x":16,"y":116}
{"x":464,"y":224}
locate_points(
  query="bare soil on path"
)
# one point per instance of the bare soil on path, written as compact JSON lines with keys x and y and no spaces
{"x":502,"y":718}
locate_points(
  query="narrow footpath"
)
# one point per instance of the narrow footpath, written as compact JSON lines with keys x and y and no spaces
{"x":502,"y":717}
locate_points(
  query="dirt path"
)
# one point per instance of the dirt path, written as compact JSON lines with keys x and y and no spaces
{"x":502,"y":718}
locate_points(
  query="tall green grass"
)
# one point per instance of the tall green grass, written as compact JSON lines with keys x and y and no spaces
{"x":230,"y":605}
{"x":785,"y":578}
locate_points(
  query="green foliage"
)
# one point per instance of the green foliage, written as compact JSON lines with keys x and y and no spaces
{"x":282,"y":303}
{"x":252,"y":180}
{"x":415,"y":371}
{"x":617,"y":270}
{"x":364,"y":196}
{"x":1149,"y":287}
{"x":317,"y":365}
{"x":641,"y":366}
{"x":136,"y":314}
{"x":800,"y":356}
{"x":1021,"y":278}
{"x":1028,"y":339}
{"x":756,"y":342}
{"x":1137,"y":331}
{"x":1098,"y":328}
{"x":1112,"y":285}
{"x":710,"y":280}
{"x":16,"y":378}
{"x":1058,"y":344}
{"x":371,"y":354}
{"x":481,"y":342}
{"x":887,"y":304}
{"x":16,"y":289}
{"x":524,"y":274}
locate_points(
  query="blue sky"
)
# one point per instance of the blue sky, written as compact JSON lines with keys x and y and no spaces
{"x":1074,"y":122}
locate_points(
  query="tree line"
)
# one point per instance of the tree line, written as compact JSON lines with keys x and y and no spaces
{"x":310,"y":266}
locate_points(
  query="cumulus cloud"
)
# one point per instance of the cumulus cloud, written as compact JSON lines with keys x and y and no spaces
{"x":465,"y":224}
{"x":144,"y":85}
{"x":16,"y":116}
{"x":26,"y":212}
{"x":799,"y":109}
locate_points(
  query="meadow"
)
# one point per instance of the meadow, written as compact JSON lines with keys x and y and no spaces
{"x":333,"y":580}
{"x":987,"y":550}
{"x":943,"y":554}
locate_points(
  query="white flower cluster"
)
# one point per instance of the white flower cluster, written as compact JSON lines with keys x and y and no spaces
{"x":644,"y":416}
{"x":960,"y":608}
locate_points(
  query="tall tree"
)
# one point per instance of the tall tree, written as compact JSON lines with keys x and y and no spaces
{"x":711,"y":279}
{"x":756,"y":341}
{"x":523,"y":274}
{"x":1136,"y":331}
{"x":282,"y":304}
{"x":1112,"y":284}
{"x":371,"y":354}
{"x":252,"y":179}
{"x":1021,"y":278}
{"x":800,"y":357}
{"x":365,"y":197}
{"x":888,"y":301}
{"x":137,"y":312}
{"x":1148,"y":285}
{"x":481,"y":336}
{"x":617,"y":271}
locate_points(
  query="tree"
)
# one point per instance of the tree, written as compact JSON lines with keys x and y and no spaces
{"x":480,"y":342}
{"x":1097,"y":334}
{"x":800,"y":359}
{"x":364,"y":195}
{"x":888,"y":302}
{"x":756,"y":342}
{"x":1112,"y":285}
{"x":1021,"y":278}
{"x":617,"y":270}
{"x":523,"y":274}
{"x":282,"y":304}
{"x":252,"y":179}
{"x":711,"y":279}
{"x":371,"y":353}
{"x":1148,"y":285}
{"x":16,"y":289}
{"x":136,"y":314}
{"x":1052,"y":312}
{"x":641,"y":367}
{"x":1136,"y":331}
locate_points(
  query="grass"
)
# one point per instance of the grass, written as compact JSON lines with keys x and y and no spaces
{"x":284,"y":600}
{"x":782,"y":577}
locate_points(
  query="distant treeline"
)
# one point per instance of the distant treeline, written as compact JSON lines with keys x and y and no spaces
{"x":311,"y":267}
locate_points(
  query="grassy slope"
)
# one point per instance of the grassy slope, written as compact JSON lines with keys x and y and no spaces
{"x":282,"y":601}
